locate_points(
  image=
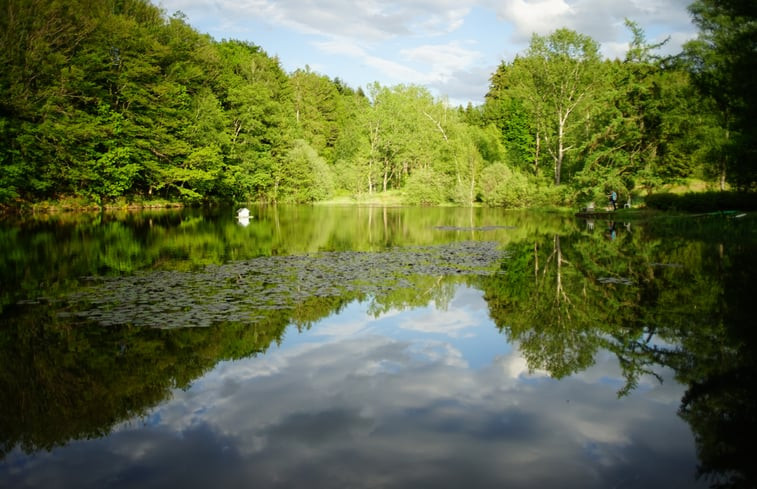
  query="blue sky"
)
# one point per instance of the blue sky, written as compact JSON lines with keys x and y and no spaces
{"x":449,"y":46}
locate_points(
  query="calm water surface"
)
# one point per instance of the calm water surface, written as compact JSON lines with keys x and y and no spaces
{"x":369,"y":347}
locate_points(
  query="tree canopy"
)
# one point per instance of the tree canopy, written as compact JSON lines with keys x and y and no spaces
{"x":118,"y":101}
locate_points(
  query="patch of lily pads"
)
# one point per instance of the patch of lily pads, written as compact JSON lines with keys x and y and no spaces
{"x":247,"y":290}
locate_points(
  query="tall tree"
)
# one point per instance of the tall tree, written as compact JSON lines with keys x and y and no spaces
{"x":557,"y":78}
{"x":316,"y":107}
{"x":722,"y":63}
{"x":400,"y":129}
{"x":643,"y":133}
{"x":504,"y":108}
{"x":258,"y":101}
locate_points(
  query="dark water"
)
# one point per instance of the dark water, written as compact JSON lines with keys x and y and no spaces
{"x":369,"y":347}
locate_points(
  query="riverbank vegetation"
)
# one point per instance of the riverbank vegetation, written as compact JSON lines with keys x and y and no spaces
{"x":116,"y":103}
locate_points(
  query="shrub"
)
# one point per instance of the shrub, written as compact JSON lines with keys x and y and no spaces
{"x":501,"y":186}
{"x":426,"y":187}
{"x":306,"y":176}
{"x":703,"y":201}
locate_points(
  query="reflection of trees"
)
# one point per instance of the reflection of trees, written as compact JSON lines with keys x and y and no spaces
{"x":421,"y":291}
{"x":720,"y":370}
{"x":48,"y":256}
{"x":546,"y":316}
{"x":565,"y":297}
{"x":63,"y":379}
{"x":653,"y":302}
{"x":558,"y":303}
{"x":649,"y":297}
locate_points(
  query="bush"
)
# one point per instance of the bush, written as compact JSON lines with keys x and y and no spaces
{"x":596,"y":185}
{"x":305,"y":177}
{"x":426,"y":187}
{"x":503,"y":187}
{"x":703,"y":201}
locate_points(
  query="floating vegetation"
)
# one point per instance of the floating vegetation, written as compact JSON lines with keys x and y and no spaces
{"x":246,"y":290}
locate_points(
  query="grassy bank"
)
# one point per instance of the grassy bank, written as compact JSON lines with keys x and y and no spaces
{"x":78,"y":204}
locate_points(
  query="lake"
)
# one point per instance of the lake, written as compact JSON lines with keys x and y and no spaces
{"x":314,"y":346}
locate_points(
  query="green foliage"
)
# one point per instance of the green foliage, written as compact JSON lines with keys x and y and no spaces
{"x":130,"y":102}
{"x":596,"y":184}
{"x":318,"y":110}
{"x":305,"y":176}
{"x":118,"y":100}
{"x":425,"y":186}
{"x":488,"y":143}
{"x":504,"y":187}
{"x":703,"y":201}
{"x":721,"y":61}
{"x":508,"y":113}
{"x":561,"y":74}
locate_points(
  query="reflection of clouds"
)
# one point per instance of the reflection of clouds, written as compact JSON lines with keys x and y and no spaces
{"x":467,"y":311}
{"x":341,"y":330}
{"x":369,"y":410}
{"x":513,"y":366}
{"x":434,"y":321}
{"x":353,"y":320}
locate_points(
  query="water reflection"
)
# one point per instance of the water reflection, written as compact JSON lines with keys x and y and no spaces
{"x":568,"y":359}
{"x":363,"y":401}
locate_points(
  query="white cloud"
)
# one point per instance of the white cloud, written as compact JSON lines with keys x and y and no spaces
{"x":444,"y":60}
{"x":366,"y":20}
{"x":534,"y":16}
{"x":332,"y":46}
{"x":429,"y":42}
{"x":599,"y":19}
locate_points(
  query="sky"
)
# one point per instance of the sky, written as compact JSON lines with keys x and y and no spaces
{"x":452,"y":47}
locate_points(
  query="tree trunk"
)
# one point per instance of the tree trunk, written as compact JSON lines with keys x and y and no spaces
{"x":370,"y":178}
{"x":724,"y":163}
{"x":560,"y":151}
{"x":558,"y":284}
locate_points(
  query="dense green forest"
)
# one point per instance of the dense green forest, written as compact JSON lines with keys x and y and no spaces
{"x":115,"y":100}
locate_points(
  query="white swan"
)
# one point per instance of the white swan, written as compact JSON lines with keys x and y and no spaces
{"x":243,"y":216}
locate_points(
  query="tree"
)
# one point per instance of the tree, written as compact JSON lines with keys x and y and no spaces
{"x":502,"y":186}
{"x":316,"y":101}
{"x":351,"y":147}
{"x":557,"y":79}
{"x":639,"y":135}
{"x":504,"y":108}
{"x":258,"y":102}
{"x":40,"y":106}
{"x":305,"y":176}
{"x":722,"y":64}
{"x":397,"y":133}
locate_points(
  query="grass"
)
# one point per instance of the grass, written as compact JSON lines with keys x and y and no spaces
{"x":388,"y":198}
{"x":67,"y":204}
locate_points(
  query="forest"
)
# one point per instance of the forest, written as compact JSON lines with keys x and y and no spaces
{"x":115,"y":101}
